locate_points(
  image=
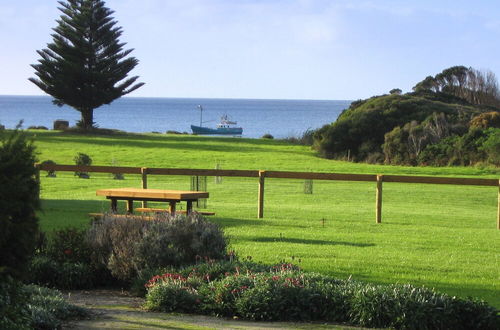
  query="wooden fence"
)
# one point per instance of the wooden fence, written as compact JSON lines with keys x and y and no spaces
{"x":262,"y":175}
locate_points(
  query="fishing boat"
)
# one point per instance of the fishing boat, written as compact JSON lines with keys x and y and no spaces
{"x":225,"y":127}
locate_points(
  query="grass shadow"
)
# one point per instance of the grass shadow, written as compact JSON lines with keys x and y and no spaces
{"x":308,"y":241}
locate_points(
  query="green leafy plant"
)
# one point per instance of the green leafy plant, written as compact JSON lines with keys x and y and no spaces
{"x":48,"y":308}
{"x":50,"y":173}
{"x":69,"y":245}
{"x":173,"y":292}
{"x":82,"y":159}
{"x":291,"y":295}
{"x":13,"y":303}
{"x":66,"y":275}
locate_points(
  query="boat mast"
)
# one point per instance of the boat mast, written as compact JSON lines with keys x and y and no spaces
{"x":201,"y":115}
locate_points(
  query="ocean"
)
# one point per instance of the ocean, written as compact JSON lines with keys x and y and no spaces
{"x":280,"y":118}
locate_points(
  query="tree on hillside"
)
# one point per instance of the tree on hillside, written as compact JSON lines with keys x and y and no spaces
{"x":474,"y":86}
{"x":85,"y":66}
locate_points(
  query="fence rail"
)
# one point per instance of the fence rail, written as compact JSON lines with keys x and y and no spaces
{"x":262,"y":175}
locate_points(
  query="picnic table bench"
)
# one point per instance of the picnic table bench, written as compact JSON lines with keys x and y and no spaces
{"x":172,"y":197}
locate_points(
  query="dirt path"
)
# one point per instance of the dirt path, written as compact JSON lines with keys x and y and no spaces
{"x":114,"y":309}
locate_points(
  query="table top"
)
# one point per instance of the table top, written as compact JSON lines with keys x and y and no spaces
{"x":152,"y":193}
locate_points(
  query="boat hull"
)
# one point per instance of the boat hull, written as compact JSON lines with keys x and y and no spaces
{"x":217,"y":131}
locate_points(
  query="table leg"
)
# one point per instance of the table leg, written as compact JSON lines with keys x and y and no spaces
{"x":130,"y":206}
{"x":171,"y":208}
{"x":114,"y":205}
{"x":189,"y":207}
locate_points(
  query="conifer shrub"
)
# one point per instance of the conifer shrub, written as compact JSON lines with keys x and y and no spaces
{"x":19,"y":201}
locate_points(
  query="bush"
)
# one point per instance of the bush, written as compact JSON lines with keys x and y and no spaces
{"x":267,"y":136}
{"x":306,"y":139}
{"x":409,"y":307}
{"x":219,"y":297}
{"x":48,"y":308}
{"x":113,"y":242}
{"x":279,"y":297}
{"x":173,"y":292}
{"x":69,"y":245}
{"x":13,"y":301}
{"x":44,"y":271}
{"x":50,"y":173}
{"x":68,"y":275}
{"x":290,"y":295}
{"x":19,"y":202}
{"x":486,"y":120}
{"x":492,"y":146}
{"x":128,"y":246}
{"x":82,"y":159}
{"x":180,"y":240}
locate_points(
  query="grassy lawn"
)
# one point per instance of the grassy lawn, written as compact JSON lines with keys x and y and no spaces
{"x":435,"y":235}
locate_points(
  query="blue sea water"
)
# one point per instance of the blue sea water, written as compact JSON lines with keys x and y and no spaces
{"x":280,"y":118}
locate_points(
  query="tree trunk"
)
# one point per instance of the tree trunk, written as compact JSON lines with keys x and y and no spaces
{"x":87,"y":121}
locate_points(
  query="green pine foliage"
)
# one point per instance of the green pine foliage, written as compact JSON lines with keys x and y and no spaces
{"x":85,"y":66}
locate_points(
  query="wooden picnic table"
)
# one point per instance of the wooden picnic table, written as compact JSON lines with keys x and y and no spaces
{"x":151,"y":195}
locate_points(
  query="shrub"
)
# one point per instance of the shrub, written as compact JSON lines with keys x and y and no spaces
{"x":280,"y":297}
{"x":409,"y":307}
{"x":492,"y":146}
{"x":486,"y":120}
{"x":180,"y":240}
{"x":289,"y":295}
{"x":38,"y":127}
{"x":128,"y":246}
{"x":267,"y":136}
{"x":306,"y":139}
{"x":68,"y":275}
{"x":82,"y":159}
{"x":44,"y":271}
{"x":50,"y":173}
{"x":19,"y":201}
{"x":173,"y":292}
{"x":48,"y":308}
{"x":219,"y":297}
{"x":113,"y":243}
{"x":13,"y":301}
{"x":69,"y":245}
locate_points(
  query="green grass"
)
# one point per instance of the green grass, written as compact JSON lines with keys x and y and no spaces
{"x":440,"y":236}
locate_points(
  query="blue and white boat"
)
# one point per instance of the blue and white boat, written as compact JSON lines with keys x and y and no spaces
{"x":225,"y":127}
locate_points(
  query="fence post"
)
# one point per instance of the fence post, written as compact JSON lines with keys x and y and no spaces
{"x":498,"y":215}
{"x":262,"y":175}
{"x":144,"y":175}
{"x":378,"y":215}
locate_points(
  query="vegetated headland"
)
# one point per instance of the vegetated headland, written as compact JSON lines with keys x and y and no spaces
{"x":452,"y":118}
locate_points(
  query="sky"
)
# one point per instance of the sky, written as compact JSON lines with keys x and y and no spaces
{"x":271,"y":49}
